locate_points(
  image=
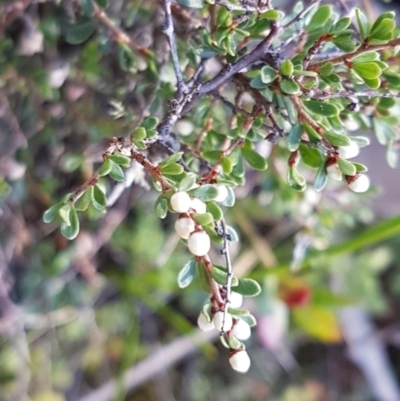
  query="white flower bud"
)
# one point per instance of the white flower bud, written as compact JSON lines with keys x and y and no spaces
{"x":222,"y":193}
{"x":334,"y":172}
{"x":184,"y":127}
{"x":240,"y":361}
{"x":351,"y":124}
{"x":198,"y":206}
{"x":236,"y":300}
{"x":350,"y":151}
{"x":218,"y":321}
{"x":203,"y":323}
{"x":360,"y":184}
{"x":241,"y":330}
{"x":199,"y":243}
{"x":184,"y":227}
{"x":180,"y":202}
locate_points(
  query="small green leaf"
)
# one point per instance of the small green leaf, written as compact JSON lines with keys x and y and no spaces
{"x":345,"y":43}
{"x":289,"y":86}
{"x":205,"y":192}
{"x":215,"y":210}
{"x":267,"y":74}
{"x":230,"y":199}
{"x":257,"y":83}
{"x":172,"y":169}
{"x":233,"y":342}
{"x":116,"y":172}
{"x":254,"y":159}
{"x":138,"y":134}
{"x":203,"y":277}
{"x":365,"y":57}
{"x":321,"y":179}
{"x":175,"y":157}
{"x":99,"y":199}
{"x":227,"y":165}
{"x":368,"y":70}
{"x":387,"y":103}
{"x":84,"y":201}
{"x":337,"y":139}
{"x":72,"y":230}
{"x":360,"y":167}
{"x":186,"y":275}
{"x":373,"y":83}
{"x":192,"y":3}
{"x":362,"y":22}
{"x":248,"y":287}
{"x":311,"y":156}
{"x":382,"y":31}
{"x":321,"y":108}
{"x":230,"y":45}
{"x":203,"y":219}
{"x":326,"y":69}
{"x":286,"y":67}
{"x":295,"y":179}
{"x":294,"y":137}
{"x":224,"y":18}
{"x":51,"y":212}
{"x":187,"y":182}
{"x":320,"y":18}
{"x":272,"y":15}
{"x":105,"y":168}
{"x":122,"y":160}
{"x":342,"y":24}
{"x":161,"y":207}
{"x":79,"y":33}
{"x":64,"y":212}
{"x":346,"y":167}
{"x":384,"y":131}
{"x":150,"y":123}
{"x":311,"y":132}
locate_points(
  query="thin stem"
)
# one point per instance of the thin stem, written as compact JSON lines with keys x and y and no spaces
{"x":242,"y":7}
{"x":364,"y":48}
{"x":349,"y":94}
{"x":168,"y":30}
{"x":301,"y":14}
{"x":229,"y":272}
{"x":117,"y":33}
{"x":231,"y":69}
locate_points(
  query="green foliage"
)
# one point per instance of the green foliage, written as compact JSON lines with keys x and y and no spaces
{"x":129,"y":113}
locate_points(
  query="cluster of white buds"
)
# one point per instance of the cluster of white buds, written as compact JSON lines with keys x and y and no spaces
{"x":359,"y":182}
{"x":199,"y":242}
{"x":236,"y":327}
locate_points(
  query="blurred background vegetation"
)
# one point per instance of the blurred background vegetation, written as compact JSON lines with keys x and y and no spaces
{"x":105,"y":311}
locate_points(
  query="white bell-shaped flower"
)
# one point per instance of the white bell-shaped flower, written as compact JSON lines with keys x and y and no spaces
{"x":219,"y":322}
{"x":199,"y":243}
{"x":180,"y":202}
{"x":241,"y":330}
{"x":240,"y":361}
{"x":203,"y":323}
{"x":360,"y":184}
{"x":184,"y":227}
